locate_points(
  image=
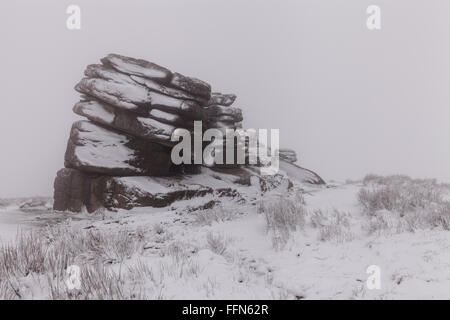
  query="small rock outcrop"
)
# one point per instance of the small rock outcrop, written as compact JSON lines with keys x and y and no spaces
{"x":288,"y":155}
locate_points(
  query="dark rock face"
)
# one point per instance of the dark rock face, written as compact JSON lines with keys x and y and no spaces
{"x":191,"y":85}
{"x":95,"y":149}
{"x":152,"y":71}
{"x":299,"y":174}
{"x":153,"y":85}
{"x":221,"y":99}
{"x":171,"y":118}
{"x":72,"y":190}
{"x":146,"y":69}
{"x":223,"y":117}
{"x":218,"y":111}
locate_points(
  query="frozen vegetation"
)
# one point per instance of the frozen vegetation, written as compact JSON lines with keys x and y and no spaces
{"x":313,"y":242}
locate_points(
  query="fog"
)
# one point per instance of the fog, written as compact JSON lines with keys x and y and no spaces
{"x":350,"y":101}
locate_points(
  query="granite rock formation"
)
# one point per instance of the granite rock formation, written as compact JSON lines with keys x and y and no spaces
{"x":120,"y":157}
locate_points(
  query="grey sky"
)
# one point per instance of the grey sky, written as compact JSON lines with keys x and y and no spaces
{"x":350,"y":101}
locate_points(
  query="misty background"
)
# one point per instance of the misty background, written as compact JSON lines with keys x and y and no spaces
{"x":350,"y":101}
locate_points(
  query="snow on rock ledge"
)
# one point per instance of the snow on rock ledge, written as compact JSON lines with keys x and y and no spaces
{"x":94,"y":149}
{"x":75,"y":190}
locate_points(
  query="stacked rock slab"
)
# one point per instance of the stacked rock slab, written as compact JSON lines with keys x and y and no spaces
{"x":288,"y":155}
{"x":119,"y":156}
{"x":132,"y":108}
{"x":221,"y":115}
{"x":76,"y":190}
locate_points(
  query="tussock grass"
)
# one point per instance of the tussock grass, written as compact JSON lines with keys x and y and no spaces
{"x":334,"y":226}
{"x":111,"y":264}
{"x":217,"y":243}
{"x":400,"y":203}
{"x":50,"y":251}
{"x":215,"y":214}
{"x":283,"y":216}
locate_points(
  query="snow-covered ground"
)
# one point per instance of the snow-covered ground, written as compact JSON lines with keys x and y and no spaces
{"x":231,"y":255}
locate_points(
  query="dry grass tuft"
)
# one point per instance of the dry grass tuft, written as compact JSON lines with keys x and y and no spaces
{"x":283,"y":215}
{"x":399,"y":203}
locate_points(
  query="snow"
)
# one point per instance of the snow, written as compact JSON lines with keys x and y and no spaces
{"x":100,"y":71}
{"x":89,"y":86}
{"x":97,"y":111}
{"x":144,"y":184}
{"x":156,"y":127}
{"x":159,"y":99}
{"x":295,"y":172}
{"x":152,"y":85}
{"x":103,"y":148}
{"x":413,"y":265}
{"x":135,"y":94}
{"x":159,"y":114}
{"x":89,"y":156}
{"x":208,"y":179}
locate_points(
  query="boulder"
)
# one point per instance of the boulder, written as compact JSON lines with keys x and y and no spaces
{"x":138,"y":67}
{"x":192,"y":85}
{"x":221,"y":99}
{"x":146,"y":69}
{"x":154,"y":86}
{"x":120,"y":158}
{"x":225,"y":118}
{"x":75,"y":190}
{"x":171,"y":118}
{"x":72,"y":189}
{"x":217,"y":111}
{"x":287,"y":155}
{"x":222,"y":124}
{"x":107,"y":73}
{"x":299,"y":174}
{"x":137,"y":98}
{"x":141,"y":127}
{"x":95,"y":149}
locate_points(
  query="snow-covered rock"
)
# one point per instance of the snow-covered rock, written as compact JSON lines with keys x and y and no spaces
{"x":136,"y":98}
{"x":94,"y":149}
{"x":222,"y":99}
{"x":191,"y":85}
{"x":142,"y":127}
{"x":107,"y":73}
{"x":75,"y":190}
{"x":149,"y":70}
{"x":299,"y":174}
{"x":153,"y":85}
{"x":217,"y":111}
{"x":121,"y":157}
{"x":137,"y":67}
